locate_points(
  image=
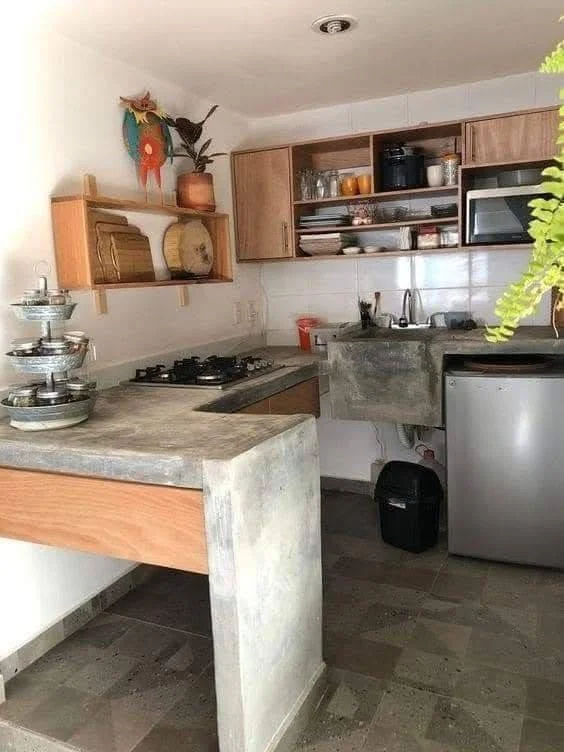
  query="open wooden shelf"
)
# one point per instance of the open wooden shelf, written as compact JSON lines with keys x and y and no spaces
{"x":383,"y":196}
{"x":381,"y":225}
{"x":111,"y":202}
{"x":74,"y":229}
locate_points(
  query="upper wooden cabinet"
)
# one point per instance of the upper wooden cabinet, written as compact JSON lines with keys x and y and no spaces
{"x":263,"y":208}
{"x":512,"y":138}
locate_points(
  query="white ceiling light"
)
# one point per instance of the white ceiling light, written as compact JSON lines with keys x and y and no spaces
{"x":332,"y":25}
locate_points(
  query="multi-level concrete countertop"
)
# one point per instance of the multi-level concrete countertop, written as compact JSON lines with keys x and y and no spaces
{"x":243,"y":490}
{"x":397,"y":375}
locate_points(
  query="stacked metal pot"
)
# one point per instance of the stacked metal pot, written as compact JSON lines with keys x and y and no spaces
{"x":58,"y":401}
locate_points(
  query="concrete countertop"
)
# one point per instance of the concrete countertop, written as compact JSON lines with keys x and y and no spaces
{"x":161,"y":435}
{"x":396,"y":376}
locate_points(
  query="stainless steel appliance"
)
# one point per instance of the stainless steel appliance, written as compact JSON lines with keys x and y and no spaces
{"x":215,"y":372}
{"x":500,"y":215}
{"x":504,"y":465}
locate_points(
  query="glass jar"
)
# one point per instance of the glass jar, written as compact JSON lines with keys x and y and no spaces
{"x":428,"y":237}
{"x":79,"y":389}
{"x":321,"y":189}
{"x":58,"y":346}
{"x":449,"y":166}
{"x":25,"y":346}
{"x":52,"y":395}
{"x":349,"y":184}
{"x":22,"y":395}
{"x":33,"y":297}
{"x":57,"y":297}
{"x":333,"y":181}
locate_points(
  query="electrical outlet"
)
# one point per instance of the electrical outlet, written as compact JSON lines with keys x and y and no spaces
{"x":237,"y":312}
{"x":252,"y":311}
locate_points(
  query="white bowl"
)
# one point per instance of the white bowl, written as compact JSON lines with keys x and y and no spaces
{"x":372,"y":249}
{"x":351,"y":251}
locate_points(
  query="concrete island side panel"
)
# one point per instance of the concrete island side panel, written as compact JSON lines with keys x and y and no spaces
{"x":262,"y":512}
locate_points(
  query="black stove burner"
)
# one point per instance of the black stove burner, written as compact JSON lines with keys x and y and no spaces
{"x":214,"y":371}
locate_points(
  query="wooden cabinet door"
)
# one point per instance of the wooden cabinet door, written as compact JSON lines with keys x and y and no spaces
{"x":512,"y":138}
{"x":263,"y":210}
{"x":300,"y":399}
{"x":257,"y":408}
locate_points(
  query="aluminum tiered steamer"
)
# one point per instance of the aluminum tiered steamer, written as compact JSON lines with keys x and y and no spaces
{"x":58,"y":401}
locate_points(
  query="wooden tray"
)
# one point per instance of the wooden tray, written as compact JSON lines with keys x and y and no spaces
{"x":131,"y":254}
{"x":96,"y":216}
{"x":104,"y":247}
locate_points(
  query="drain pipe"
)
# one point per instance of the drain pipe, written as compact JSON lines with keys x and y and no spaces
{"x":406,"y":435}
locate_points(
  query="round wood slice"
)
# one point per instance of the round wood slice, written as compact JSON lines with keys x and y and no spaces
{"x":188,"y":249}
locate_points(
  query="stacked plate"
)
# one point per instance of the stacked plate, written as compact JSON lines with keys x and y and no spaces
{"x":324,"y":220}
{"x":322,"y":245}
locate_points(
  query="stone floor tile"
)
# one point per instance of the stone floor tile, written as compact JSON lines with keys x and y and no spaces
{"x":103,"y":630}
{"x":382,"y":623}
{"x":406,"y":708}
{"x":381,"y":739}
{"x":428,"y":671}
{"x":342,"y":720}
{"x":197,"y":706}
{"x":24,"y":694}
{"x":64,"y":712}
{"x":499,"y":651}
{"x":458,"y":587}
{"x":545,"y":700}
{"x":550,"y":634}
{"x":511,"y":594}
{"x":375,"y":659}
{"x":465,"y":565}
{"x":442,"y":638}
{"x":113,"y":731}
{"x":179,"y":600}
{"x":165,"y":739}
{"x":472,"y":728}
{"x":98,"y":677}
{"x":490,"y":686}
{"x":148,"y":641}
{"x":403,"y":576}
{"x":361,"y":548}
{"x":540,"y":736}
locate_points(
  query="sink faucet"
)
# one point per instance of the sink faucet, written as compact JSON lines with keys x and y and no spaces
{"x":407,"y":313}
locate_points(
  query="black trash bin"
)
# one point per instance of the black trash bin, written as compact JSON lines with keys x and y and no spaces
{"x":409,"y":498}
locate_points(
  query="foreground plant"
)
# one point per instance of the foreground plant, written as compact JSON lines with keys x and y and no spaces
{"x":546,"y":265}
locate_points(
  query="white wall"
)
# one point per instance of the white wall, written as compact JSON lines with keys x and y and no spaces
{"x":62,"y":119}
{"x":463,"y":280}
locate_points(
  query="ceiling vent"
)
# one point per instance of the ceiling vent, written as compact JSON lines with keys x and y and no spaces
{"x":334,"y":24}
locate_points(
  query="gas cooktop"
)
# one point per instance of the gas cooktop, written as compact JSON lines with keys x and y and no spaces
{"x":215,"y":372}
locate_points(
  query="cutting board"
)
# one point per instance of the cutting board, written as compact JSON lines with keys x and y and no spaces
{"x":94,"y":217}
{"x":104,"y":247}
{"x":131,"y":254}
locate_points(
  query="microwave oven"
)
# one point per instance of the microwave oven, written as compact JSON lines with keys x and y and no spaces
{"x":500,"y":215}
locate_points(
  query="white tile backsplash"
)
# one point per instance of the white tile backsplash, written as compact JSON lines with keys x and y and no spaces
{"x":283,"y":311}
{"x":379,"y":114}
{"x":501,"y":95}
{"x":496,"y":268}
{"x":441,"y":270}
{"x":384,"y":273}
{"x":315,"y":276}
{"x":446,"y":299}
{"x":483,"y":301}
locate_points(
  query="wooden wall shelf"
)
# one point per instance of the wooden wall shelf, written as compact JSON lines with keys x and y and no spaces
{"x":381,"y":225}
{"x":75,"y":251}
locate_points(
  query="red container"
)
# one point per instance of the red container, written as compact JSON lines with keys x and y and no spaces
{"x":304,"y":325}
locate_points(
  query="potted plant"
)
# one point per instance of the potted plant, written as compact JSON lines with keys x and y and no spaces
{"x":194,"y":189}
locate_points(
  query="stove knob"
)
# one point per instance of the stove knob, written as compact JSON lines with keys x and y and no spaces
{"x":270,"y":363}
{"x":250,"y":366}
{"x":140,"y":373}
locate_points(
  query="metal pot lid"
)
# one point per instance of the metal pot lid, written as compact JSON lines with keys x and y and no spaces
{"x":80,"y":385}
{"x":22,"y":390}
{"x":55,"y":344}
{"x":24,"y":343}
{"x":47,"y":392}
{"x":76,"y":337}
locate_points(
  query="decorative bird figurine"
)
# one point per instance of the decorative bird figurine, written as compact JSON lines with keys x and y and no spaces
{"x":147,"y":137}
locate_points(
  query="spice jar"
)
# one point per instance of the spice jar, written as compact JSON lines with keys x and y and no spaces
{"x":33,"y":297}
{"x":428,"y":237}
{"x":349,"y":184}
{"x":22,"y":395}
{"x":79,"y":389}
{"x":58,"y":346}
{"x":57,"y":297}
{"x":25,"y":346}
{"x":52,"y":395}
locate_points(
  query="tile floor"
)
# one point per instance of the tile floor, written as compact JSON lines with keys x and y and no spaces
{"x":426,"y":653}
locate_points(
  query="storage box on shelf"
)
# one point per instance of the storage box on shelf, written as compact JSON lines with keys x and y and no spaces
{"x":260,"y":238}
{"x":74,"y":229}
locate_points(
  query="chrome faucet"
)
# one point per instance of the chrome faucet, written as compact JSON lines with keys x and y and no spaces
{"x":407,"y":312}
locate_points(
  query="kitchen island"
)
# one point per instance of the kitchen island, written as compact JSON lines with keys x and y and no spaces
{"x":396,"y":375}
{"x":159,"y":477}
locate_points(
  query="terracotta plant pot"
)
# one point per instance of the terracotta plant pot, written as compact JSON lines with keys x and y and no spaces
{"x":194,"y":190}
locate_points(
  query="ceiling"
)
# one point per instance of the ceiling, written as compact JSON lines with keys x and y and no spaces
{"x":260,"y":57}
